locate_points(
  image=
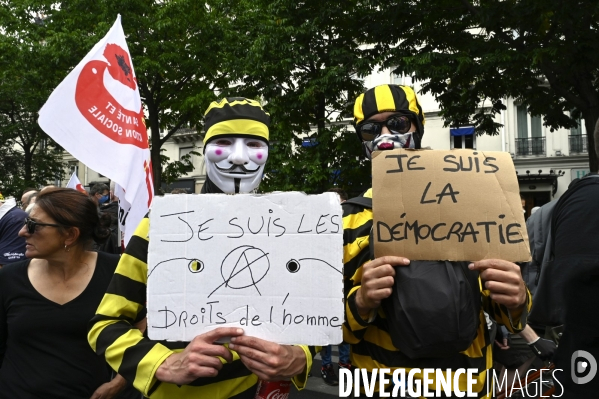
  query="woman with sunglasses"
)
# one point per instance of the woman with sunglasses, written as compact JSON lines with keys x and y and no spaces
{"x":47,"y":300}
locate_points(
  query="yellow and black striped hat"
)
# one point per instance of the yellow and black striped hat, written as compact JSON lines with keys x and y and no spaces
{"x":385,"y":98}
{"x":236,"y":116}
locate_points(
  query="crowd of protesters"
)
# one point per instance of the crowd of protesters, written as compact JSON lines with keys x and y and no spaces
{"x":72,"y":309}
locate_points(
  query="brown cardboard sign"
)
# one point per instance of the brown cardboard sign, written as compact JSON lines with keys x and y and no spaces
{"x":447,"y":205}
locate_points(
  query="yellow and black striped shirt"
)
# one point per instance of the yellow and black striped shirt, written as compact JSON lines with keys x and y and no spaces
{"x":137,"y":358}
{"x":370,"y":341}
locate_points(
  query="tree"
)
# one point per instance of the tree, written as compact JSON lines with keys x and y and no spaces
{"x":27,"y":76}
{"x":173,"y":45}
{"x":301,"y":59}
{"x":177,"y":57}
{"x":544,"y":53}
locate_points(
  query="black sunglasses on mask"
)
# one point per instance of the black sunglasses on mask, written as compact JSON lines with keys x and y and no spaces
{"x":32,"y":224}
{"x":397,"y":124}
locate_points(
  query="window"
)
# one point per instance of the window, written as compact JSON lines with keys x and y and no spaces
{"x":522,"y":121}
{"x":530,"y":140}
{"x":577,"y":131}
{"x":396,"y":79}
{"x":184,"y":151}
{"x":522,"y":118}
{"x":74,"y":167}
{"x":399,"y":79}
{"x":578,"y":140}
{"x":463,"y":137}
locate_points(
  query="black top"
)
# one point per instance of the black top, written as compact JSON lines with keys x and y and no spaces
{"x":576,"y":251}
{"x":44,"y":351}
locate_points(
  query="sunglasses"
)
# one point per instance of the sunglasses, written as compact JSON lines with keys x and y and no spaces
{"x":397,"y":124}
{"x":32,"y":225}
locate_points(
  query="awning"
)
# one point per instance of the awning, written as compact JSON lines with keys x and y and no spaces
{"x":550,"y":178}
{"x":309,"y":142}
{"x":462,"y":131}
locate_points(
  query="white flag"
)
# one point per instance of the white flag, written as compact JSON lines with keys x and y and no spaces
{"x":75,"y":184}
{"x":96,"y":115}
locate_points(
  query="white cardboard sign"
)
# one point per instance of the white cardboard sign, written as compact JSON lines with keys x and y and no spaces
{"x":270,"y":264}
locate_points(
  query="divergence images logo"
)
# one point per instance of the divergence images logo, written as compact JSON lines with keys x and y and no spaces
{"x":583,"y":362}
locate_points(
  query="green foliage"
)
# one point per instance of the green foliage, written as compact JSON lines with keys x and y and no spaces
{"x":303,"y":62}
{"x":543,"y":53}
{"x":27,"y":77}
{"x":172,"y":170}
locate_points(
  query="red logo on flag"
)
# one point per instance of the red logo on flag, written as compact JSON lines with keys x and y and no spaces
{"x":100,"y":108}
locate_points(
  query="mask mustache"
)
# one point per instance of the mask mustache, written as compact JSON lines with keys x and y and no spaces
{"x":394,"y":141}
{"x":241,"y":167}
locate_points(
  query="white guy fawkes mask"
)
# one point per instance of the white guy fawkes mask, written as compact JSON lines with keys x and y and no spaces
{"x":236,"y":164}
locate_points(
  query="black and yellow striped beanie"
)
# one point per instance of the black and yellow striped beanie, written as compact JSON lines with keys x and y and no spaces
{"x":236,"y":116}
{"x":385,"y":98}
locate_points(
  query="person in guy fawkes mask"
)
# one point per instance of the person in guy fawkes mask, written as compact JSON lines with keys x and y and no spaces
{"x":235,"y":145}
{"x":397,"y":313}
{"x":236,"y":149}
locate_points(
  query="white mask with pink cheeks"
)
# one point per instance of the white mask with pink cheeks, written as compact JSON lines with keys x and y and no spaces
{"x":236,"y":164}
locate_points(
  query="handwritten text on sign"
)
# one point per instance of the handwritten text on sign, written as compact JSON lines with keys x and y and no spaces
{"x":447,"y":205}
{"x":271,"y":264}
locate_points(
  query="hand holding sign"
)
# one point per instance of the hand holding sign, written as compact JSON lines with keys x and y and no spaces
{"x":199,"y":359}
{"x":504,"y":280}
{"x":268,"y":360}
{"x":377,"y":282}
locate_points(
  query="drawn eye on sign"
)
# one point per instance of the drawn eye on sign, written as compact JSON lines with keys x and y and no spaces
{"x":294,"y":265}
{"x":193,"y":264}
{"x":196,"y":266}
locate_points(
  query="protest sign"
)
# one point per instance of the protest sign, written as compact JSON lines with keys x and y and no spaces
{"x":447,"y":205}
{"x":270,"y":264}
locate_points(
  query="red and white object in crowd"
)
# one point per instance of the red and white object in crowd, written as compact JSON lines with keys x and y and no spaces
{"x":75,"y":184}
{"x":97,"y":116}
{"x":273,"y":389}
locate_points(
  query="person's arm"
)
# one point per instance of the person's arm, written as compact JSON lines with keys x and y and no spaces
{"x":138,"y":359}
{"x":505,"y":296}
{"x":112,"y":332}
{"x":542,"y":348}
{"x":529,"y":335}
{"x":357,"y":223}
{"x":110,"y":389}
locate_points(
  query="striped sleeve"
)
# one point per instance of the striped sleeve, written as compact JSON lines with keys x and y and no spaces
{"x":112,"y":334}
{"x":301,"y":380}
{"x":357,"y":223}
{"x":514,"y":321}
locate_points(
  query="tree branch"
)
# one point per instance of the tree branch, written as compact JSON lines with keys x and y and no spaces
{"x":184,"y":119}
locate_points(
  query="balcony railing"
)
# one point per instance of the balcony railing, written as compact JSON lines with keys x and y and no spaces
{"x":578,"y":143}
{"x":530,"y":146}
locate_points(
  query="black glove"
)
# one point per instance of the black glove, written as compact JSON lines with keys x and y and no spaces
{"x":543,"y":348}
